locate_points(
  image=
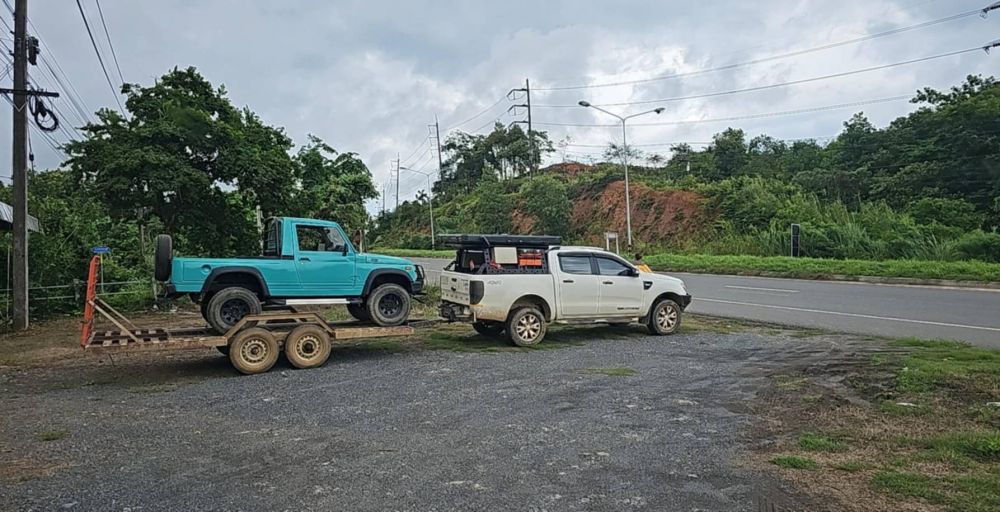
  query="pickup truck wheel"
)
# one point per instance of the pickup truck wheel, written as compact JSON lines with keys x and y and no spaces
{"x":489,"y":329}
{"x":253,"y":350}
{"x":388,"y":305}
{"x":664,"y":317}
{"x":359,"y":312}
{"x":307,"y":346}
{"x":228,"y":306}
{"x":526,"y":326}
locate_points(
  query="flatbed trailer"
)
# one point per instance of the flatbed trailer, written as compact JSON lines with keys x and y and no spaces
{"x":253,"y":344}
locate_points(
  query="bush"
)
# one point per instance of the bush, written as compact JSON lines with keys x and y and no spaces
{"x":979,"y":245}
{"x":545,"y":198}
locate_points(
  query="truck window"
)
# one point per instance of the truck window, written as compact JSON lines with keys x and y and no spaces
{"x":272,"y":239}
{"x":575,"y":264}
{"x":320,"y":239}
{"x":610,"y":267}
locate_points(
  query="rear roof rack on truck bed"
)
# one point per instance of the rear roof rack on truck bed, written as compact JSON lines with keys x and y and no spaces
{"x":479,"y":241}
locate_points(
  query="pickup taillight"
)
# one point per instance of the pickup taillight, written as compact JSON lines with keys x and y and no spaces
{"x":476,"y":291}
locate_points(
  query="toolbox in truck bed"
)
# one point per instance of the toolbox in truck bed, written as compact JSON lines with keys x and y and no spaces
{"x":479,"y":241}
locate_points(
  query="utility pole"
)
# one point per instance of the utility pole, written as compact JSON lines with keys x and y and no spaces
{"x":512,"y":95}
{"x":20,"y":171}
{"x":437,"y":137}
{"x":397,"y":181}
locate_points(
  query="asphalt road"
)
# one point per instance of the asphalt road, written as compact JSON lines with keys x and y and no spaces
{"x":970,"y":315}
{"x":408,"y":431}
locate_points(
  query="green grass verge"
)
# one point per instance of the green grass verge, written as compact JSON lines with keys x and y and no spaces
{"x":818,"y":268}
{"x":820,"y":443}
{"x":783,"y":266}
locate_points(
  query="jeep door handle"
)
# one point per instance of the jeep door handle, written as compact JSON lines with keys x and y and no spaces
{"x":609,"y":282}
{"x":304,"y":259}
{"x":568,"y":280}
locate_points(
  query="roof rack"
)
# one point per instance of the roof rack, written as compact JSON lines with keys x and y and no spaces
{"x":477,"y":241}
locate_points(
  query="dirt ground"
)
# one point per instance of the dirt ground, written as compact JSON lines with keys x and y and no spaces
{"x":444,"y":420}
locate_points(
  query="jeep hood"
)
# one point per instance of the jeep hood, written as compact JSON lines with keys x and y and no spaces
{"x":381,"y":259}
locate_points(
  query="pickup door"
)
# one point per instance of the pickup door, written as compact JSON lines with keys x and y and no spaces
{"x":621,"y":291}
{"x":324,"y":260}
{"x":579,"y":286}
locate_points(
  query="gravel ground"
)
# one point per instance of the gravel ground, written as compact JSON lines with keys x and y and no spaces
{"x":420,"y":431}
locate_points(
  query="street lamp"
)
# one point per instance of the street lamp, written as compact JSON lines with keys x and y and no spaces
{"x":628,"y":203}
{"x":430,"y":201}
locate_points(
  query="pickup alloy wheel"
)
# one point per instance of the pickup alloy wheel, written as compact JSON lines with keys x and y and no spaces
{"x":526,"y":326}
{"x":664,"y":317}
{"x":388,"y":305}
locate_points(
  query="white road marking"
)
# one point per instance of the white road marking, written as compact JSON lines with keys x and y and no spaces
{"x":856,"y":315}
{"x":761,"y":289}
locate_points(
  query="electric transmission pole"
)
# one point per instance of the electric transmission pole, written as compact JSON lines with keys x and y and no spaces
{"x":397,"y":182}
{"x":512,"y":95}
{"x":437,"y":137}
{"x":20,"y":171}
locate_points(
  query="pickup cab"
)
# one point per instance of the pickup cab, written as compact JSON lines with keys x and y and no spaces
{"x":304,"y":261}
{"x":516,"y":285}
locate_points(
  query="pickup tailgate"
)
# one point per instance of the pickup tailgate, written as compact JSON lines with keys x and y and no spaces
{"x":455,"y":287}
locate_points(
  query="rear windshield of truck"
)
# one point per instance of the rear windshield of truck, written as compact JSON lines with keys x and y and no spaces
{"x":501,"y":260}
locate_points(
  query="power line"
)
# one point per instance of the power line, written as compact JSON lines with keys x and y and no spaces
{"x":777,"y":57}
{"x":100,"y":59}
{"x":108,"y":36}
{"x":743,"y":117}
{"x":481,"y":112}
{"x":793,"y":82}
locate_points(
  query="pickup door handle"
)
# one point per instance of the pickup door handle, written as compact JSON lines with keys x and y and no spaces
{"x":568,"y":280}
{"x":609,"y":282}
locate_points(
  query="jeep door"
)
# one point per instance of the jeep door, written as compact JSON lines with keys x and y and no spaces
{"x":621,"y":290}
{"x":324,"y":261}
{"x":579,"y":287}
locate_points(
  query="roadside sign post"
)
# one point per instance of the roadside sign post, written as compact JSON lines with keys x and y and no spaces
{"x":795,"y":240}
{"x":100,"y":251}
{"x":608,"y":237}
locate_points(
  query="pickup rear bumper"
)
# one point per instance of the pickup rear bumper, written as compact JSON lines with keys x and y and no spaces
{"x":455,"y":312}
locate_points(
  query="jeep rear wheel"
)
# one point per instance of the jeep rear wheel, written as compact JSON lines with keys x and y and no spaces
{"x":228,"y":306}
{"x":388,"y":305}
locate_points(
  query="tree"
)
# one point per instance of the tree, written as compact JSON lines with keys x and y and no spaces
{"x":546,"y":199}
{"x":615,"y":152}
{"x":504,"y":153}
{"x":729,"y":152}
{"x":333,"y":185}
{"x":189,"y":157}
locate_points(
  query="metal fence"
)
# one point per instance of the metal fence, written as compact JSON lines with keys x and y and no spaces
{"x":64,"y":298}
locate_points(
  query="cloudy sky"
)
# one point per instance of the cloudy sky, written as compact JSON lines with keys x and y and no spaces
{"x":370,"y":76}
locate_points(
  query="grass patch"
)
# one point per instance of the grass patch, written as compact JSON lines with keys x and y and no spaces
{"x":794,"y":462}
{"x":52,"y":435}
{"x":619,"y":371}
{"x":982,"y":446}
{"x":821,"y":268}
{"x":908,"y":484}
{"x":820,"y":443}
{"x":850,"y":466}
{"x":960,"y":368}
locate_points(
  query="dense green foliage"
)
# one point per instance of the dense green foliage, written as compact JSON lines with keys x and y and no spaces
{"x":188,"y":163}
{"x":926,"y":186}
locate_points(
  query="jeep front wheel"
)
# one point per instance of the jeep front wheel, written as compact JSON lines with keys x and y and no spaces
{"x":388,"y":305}
{"x":228,"y":306}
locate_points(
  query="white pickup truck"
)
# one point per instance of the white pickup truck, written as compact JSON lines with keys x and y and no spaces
{"x":518,"y":284}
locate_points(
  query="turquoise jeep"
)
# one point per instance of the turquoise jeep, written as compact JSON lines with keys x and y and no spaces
{"x":305,"y":261}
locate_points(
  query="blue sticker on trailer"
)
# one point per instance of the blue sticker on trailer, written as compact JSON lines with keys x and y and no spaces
{"x":101,"y":249}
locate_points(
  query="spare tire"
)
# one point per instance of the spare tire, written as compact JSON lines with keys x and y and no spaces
{"x":162,"y":257}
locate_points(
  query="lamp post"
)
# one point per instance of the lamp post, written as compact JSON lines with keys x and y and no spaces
{"x":430,"y":200}
{"x":628,"y":201}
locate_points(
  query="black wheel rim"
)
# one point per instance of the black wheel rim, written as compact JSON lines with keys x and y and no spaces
{"x":233,"y":310}
{"x":390,"y":306}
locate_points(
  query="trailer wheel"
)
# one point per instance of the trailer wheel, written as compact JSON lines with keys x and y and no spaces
{"x":253,"y":350}
{"x":229,"y":306}
{"x":488,"y":328}
{"x":161,"y":257}
{"x":359,"y":312}
{"x":388,"y":305}
{"x":307,"y":346}
{"x":526,"y":326}
{"x":664,"y":318}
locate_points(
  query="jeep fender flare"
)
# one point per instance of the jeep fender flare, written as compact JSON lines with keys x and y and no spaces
{"x":216,"y":273}
{"x":382,"y":272}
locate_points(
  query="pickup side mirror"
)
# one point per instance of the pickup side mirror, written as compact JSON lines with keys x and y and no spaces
{"x":633,"y":272}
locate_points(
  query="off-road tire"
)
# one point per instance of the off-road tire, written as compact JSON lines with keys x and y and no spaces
{"x":162,"y":257}
{"x":307,"y":346}
{"x":664,"y":318}
{"x":253,"y":350}
{"x":526,"y":326}
{"x":488,"y":328}
{"x":228,"y":306}
{"x":359,"y":312}
{"x":388,"y":305}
